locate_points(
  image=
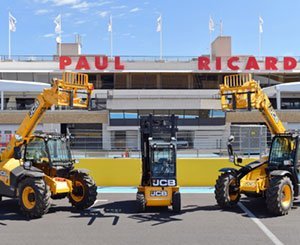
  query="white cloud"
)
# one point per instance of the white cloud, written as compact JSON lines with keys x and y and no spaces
{"x":42,"y":11}
{"x":103,"y":14}
{"x":119,"y":7}
{"x":41,"y":1}
{"x":134,"y":10}
{"x":119,"y":15}
{"x":79,"y":22}
{"x":66,"y":15}
{"x":86,"y":5}
{"x":83,"y":5}
{"x":103,"y":3}
{"x":65,"y":2}
{"x":49,"y":35}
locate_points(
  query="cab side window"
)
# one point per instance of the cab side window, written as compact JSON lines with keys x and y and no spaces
{"x":36,"y":150}
{"x":298,"y":156}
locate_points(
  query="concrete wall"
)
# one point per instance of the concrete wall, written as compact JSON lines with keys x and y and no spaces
{"x":221,"y":46}
{"x":256,"y":117}
{"x":127,"y":171}
{"x":75,"y":116}
{"x":164,"y":99}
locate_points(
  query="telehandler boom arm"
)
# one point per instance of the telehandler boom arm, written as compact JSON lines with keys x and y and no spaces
{"x":240,"y":92}
{"x":64,"y":92}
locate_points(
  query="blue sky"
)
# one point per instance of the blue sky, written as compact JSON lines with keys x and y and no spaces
{"x":185,"y":26}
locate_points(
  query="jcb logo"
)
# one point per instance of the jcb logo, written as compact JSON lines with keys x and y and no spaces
{"x":164,"y":182}
{"x":158,"y":193}
{"x":34,"y":108}
{"x":273,"y":113}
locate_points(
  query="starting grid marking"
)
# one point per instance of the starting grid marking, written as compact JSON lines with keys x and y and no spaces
{"x":195,"y":190}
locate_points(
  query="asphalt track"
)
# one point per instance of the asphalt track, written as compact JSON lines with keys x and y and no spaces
{"x":114,"y":220}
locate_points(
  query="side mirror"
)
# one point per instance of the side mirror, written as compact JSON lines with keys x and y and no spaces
{"x":230,"y":149}
{"x":17,"y":153}
{"x":239,"y":160}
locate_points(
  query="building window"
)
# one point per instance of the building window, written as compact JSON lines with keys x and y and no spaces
{"x":204,"y":81}
{"x":116,"y":115}
{"x":24,"y":104}
{"x":107,"y":81}
{"x":216,"y":114}
{"x":119,"y":139}
{"x":174,"y":81}
{"x":131,"y":115}
{"x":144,"y":81}
{"x":290,"y":103}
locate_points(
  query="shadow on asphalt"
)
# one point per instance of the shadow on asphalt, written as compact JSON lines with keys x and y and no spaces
{"x":258,"y":207}
{"x":158,"y":215}
{"x":9,"y":211}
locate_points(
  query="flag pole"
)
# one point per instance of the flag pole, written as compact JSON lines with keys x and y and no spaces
{"x":110,"y":29}
{"x":111,"y":45}
{"x":260,"y":31}
{"x":259,"y":43}
{"x":9,"y":48}
{"x":221,"y":28}
{"x":161,"y":40}
{"x":211,"y":27}
{"x":210,"y":50}
{"x":59,"y":45}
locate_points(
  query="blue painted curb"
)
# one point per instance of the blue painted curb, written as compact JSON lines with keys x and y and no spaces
{"x":189,"y":190}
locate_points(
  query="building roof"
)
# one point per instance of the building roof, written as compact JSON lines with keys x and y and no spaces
{"x":22,"y":86}
{"x":285,"y":87}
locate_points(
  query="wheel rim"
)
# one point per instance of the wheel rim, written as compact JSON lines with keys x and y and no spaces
{"x":78,"y":197}
{"x":28,"y":197}
{"x":232,"y":195}
{"x":286,"y":196}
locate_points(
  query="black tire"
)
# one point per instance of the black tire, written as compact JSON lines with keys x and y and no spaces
{"x":84,"y":192}
{"x":280,"y":195}
{"x":176,"y":202}
{"x":141,"y":202}
{"x":34,"y":197}
{"x":225,"y":194}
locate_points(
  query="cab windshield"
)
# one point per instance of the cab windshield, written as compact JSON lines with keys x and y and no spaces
{"x":59,"y":150}
{"x":283,"y":148}
{"x":163,"y":162}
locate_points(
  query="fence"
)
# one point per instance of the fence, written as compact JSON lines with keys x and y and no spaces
{"x":248,"y":141}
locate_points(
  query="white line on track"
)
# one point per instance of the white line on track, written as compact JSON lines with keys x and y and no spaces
{"x":272,"y":237}
{"x":98,"y":200}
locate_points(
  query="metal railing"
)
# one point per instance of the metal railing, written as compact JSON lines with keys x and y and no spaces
{"x":188,"y":147}
{"x":131,"y":58}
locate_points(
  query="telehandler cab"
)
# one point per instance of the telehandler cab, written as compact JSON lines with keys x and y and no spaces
{"x":158,"y":145}
{"x":276,"y":176}
{"x":34,"y":168}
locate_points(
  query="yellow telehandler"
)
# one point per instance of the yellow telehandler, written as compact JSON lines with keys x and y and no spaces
{"x":276,"y":176}
{"x":158,"y":146}
{"x":36,"y":167}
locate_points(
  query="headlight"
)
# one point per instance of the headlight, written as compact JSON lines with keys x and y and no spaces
{"x":27,"y":165}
